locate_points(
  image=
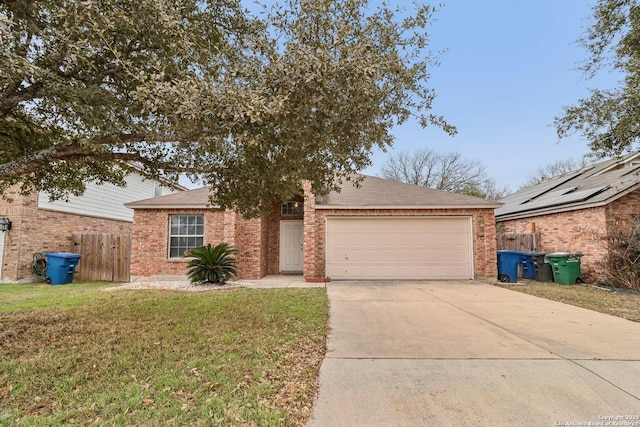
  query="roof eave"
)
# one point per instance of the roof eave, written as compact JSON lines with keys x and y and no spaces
{"x":169,"y":206}
{"x":407,"y":207}
{"x":541,"y":212}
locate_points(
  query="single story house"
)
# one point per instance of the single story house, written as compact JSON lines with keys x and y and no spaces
{"x":574,"y":211}
{"x":40,"y":225}
{"x":379,"y":230}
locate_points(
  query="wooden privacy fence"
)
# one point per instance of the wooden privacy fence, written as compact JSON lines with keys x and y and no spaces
{"x":519,"y":242}
{"x":104,"y":256}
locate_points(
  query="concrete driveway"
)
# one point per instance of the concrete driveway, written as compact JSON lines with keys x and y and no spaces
{"x":465,"y":353}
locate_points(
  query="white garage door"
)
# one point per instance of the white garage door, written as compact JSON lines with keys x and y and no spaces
{"x":399,"y":248}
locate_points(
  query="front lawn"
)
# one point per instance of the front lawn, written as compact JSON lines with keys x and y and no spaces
{"x":76,"y":354}
{"x":625,"y":305}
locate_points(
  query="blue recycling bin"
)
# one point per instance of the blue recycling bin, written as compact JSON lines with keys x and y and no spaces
{"x":508,"y":262}
{"x":527,"y":265}
{"x":61,"y":266}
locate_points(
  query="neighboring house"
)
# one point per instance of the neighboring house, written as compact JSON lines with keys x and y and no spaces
{"x":381,"y":230}
{"x":40,"y":226}
{"x":573,"y":212}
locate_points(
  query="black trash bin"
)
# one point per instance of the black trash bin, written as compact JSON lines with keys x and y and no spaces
{"x":543,"y":270}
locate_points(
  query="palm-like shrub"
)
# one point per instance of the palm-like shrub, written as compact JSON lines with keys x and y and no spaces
{"x":212,"y":264}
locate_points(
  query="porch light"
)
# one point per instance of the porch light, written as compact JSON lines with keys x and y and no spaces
{"x":5,"y":224}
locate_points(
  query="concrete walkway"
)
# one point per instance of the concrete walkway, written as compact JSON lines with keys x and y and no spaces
{"x":471,"y":354}
{"x":282,"y":281}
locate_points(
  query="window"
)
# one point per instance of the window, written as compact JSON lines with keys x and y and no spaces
{"x":157,"y":190}
{"x":292,"y":208}
{"x":186,"y":232}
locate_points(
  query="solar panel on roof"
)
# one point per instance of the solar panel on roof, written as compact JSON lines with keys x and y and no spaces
{"x":562,"y":197}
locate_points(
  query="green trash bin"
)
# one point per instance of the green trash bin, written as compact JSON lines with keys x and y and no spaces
{"x":566,"y":267}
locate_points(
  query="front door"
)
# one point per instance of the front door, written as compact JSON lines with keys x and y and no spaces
{"x":291,"y":246}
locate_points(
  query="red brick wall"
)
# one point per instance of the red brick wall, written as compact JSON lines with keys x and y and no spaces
{"x":313,"y":238}
{"x":40,"y":230}
{"x":574,"y":231}
{"x":248,"y":238}
{"x":150,"y":240}
{"x":149,"y":253}
{"x":484,"y":241}
{"x":621,"y":212}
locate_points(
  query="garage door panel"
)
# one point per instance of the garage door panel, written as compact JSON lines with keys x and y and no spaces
{"x":398,"y":248}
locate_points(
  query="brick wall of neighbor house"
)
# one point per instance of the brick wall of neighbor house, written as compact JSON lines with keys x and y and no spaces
{"x":483,"y":223}
{"x":41,"y":230}
{"x":622,"y":212}
{"x":150,"y":242}
{"x":573,"y":231}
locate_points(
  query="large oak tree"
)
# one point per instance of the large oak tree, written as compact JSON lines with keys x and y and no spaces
{"x":609,"y":118}
{"x":250,"y":105}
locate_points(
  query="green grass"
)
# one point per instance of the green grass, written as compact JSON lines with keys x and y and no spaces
{"x":14,"y":297}
{"x":77,"y":354}
{"x":621,"y":304}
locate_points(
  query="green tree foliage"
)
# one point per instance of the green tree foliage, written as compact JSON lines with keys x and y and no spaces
{"x":609,"y":119}
{"x":442,"y":171}
{"x":249,"y":105}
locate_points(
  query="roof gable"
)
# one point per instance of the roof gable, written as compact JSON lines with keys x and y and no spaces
{"x":591,"y":186}
{"x":190,"y":199}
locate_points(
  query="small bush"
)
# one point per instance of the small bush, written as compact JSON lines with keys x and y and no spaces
{"x":212,"y":264}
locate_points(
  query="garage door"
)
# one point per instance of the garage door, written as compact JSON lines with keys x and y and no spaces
{"x":399,"y":248}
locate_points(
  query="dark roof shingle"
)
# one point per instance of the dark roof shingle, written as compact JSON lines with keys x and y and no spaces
{"x":379,"y":192}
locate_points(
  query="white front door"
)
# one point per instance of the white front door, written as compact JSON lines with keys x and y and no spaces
{"x":291,"y":246}
{"x":1,"y":251}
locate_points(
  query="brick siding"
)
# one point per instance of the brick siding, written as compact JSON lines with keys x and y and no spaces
{"x":150,"y":242}
{"x":41,"y":230}
{"x":574,"y":231}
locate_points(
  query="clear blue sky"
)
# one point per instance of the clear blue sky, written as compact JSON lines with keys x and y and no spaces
{"x":509,"y":69}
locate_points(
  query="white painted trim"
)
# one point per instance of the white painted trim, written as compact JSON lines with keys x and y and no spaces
{"x":492,"y":205}
{"x":472,"y":270}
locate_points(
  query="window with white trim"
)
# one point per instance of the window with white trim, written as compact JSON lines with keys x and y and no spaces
{"x":292,"y":208}
{"x":185,"y":232}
